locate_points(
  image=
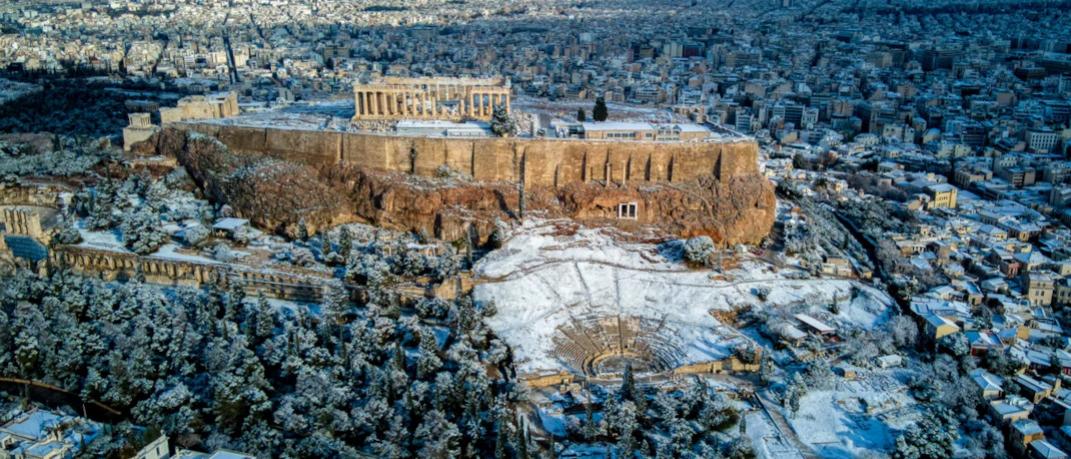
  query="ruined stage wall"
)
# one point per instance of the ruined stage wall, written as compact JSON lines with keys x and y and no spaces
{"x":540,"y":162}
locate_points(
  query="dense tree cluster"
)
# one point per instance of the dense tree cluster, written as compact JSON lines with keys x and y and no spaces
{"x":823,"y":236}
{"x":956,"y":409}
{"x":692,"y":422}
{"x":933,"y":437}
{"x":212,"y":369}
{"x":137,"y":207}
{"x":382,"y":262}
{"x":74,"y":107}
{"x":71,"y":157}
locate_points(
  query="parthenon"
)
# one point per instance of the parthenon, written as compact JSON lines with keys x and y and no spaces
{"x":455,"y":99}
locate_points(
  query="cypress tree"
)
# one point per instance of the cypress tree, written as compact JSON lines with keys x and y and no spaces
{"x":628,"y":383}
{"x":522,"y":443}
{"x":599,"y":113}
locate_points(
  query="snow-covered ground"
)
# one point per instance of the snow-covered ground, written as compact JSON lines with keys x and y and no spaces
{"x":170,"y":251}
{"x":768,"y":442}
{"x":544,"y":280}
{"x":854,"y":417}
{"x":100,"y":240}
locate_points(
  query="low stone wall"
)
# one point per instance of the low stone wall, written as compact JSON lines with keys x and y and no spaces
{"x":538,"y":162}
{"x":731,"y":364}
{"x":538,"y":381}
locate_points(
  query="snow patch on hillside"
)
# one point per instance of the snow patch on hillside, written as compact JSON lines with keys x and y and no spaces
{"x":543,"y":278}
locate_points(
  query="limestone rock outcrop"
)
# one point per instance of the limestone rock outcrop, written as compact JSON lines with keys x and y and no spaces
{"x":274,"y":194}
{"x":740,"y":210}
{"x":276,"y":191}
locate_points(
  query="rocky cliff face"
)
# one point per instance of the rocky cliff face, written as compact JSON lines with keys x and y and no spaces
{"x":276,"y":194}
{"x":738,"y":211}
{"x":273,"y":194}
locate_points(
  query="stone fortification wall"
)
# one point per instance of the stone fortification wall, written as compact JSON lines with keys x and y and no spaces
{"x":539,"y":162}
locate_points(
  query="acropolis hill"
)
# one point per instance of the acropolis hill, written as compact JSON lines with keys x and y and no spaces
{"x":406,"y":174}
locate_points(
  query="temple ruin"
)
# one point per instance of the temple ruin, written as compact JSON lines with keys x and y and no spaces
{"x":453,"y":99}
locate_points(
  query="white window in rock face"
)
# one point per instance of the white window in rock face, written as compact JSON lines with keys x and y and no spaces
{"x":626,"y":210}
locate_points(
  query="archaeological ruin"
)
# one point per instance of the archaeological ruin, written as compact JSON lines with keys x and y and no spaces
{"x":680,"y":182}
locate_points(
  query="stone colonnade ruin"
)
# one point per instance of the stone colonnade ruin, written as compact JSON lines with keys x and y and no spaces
{"x":456,"y":99}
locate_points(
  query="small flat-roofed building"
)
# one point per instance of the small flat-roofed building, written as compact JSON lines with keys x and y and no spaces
{"x":442,"y":128}
{"x":1039,"y":288}
{"x":938,"y":327}
{"x":40,"y":434}
{"x":156,"y":449}
{"x":791,"y":335}
{"x":1023,"y":432}
{"x":990,"y":386}
{"x":942,"y":196}
{"x":815,"y":325}
{"x":1042,"y":449}
{"x":1062,"y":292}
{"x":1033,"y":389}
{"x":1065,"y":431}
{"x":889,"y":361}
{"x":228,"y":227}
{"x":161,"y":449}
{"x":625,"y":130}
{"x":982,"y":342}
{"x":847,"y":371}
{"x":837,"y":266}
{"x":1005,"y":412}
{"x":219,"y":454}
